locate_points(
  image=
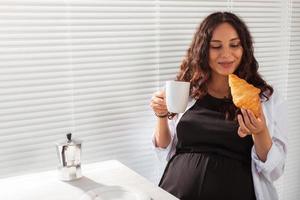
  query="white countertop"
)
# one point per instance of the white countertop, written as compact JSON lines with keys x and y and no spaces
{"x":47,"y":186}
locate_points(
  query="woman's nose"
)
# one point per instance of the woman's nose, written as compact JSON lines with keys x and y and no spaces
{"x":226,"y":52}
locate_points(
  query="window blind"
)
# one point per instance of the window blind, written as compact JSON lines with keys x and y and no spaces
{"x":35,"y":84}
{"x":88,"y":68}
{"x":264,"y":20}
{"x":178,"y":20}
{"x":114,"y":62}
{"x":290,"y":183}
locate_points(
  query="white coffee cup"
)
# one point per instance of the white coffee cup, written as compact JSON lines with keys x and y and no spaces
{"x":177,"y":94}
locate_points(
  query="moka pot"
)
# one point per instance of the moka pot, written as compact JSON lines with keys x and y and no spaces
{"x":69,"y":155}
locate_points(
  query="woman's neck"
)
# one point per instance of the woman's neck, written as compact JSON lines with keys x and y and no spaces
{"x":219,"y":87}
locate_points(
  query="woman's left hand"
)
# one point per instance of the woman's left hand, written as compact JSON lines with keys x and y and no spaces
{"x":249,"y":124}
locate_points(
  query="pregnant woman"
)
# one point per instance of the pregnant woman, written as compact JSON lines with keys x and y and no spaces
{"x":214,"y":149}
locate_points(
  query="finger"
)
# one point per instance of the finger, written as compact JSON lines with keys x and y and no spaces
{"x":261,"y":116}
{"x":252,"y":118}
{"x":247,"y":121}
{"x":158,"y":101}
{"x":158,"y":106}
{"x":241,"y":133}
{"x":160,"y":111}
{"x":242,"y":124}
{"x":160,"y":94}
{"x":155,"y":107}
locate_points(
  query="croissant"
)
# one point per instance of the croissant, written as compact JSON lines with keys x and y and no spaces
{"x":244,"y":95}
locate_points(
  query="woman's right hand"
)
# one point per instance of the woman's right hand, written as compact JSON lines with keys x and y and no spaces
{"x":158,"y":103}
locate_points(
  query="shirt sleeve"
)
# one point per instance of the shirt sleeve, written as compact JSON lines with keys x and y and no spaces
{"x":163,"y":154}
{"x":273,"y":167}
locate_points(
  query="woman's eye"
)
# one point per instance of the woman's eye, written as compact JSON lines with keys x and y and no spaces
{"x":216,"y":47}
{"x":220,"y":46}
{"x":235,"y":45}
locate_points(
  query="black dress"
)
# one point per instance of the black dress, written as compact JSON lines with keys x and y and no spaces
{"x":211,"y":161}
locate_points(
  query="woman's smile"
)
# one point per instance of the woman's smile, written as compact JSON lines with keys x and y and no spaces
{"x":226,"y":64}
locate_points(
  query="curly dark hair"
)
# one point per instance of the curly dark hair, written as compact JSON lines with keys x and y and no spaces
{"x":195,"y":65}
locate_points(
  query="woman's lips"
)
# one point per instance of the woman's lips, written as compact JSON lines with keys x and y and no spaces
{"x":226,"y":64}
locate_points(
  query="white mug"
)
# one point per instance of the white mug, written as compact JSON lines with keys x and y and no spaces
{"x":177,"y":95}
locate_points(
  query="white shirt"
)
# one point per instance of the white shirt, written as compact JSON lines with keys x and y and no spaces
{"x":263,"y":173}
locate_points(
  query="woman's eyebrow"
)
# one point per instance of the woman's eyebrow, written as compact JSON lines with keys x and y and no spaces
{"x":221,"y":41}
{"x":235,"y":39}
{"x":215,"y":41}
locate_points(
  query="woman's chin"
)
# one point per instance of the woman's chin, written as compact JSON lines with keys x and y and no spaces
{"x":226,"y":72}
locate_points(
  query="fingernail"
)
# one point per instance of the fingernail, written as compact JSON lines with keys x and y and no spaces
{"x":259,"y":119}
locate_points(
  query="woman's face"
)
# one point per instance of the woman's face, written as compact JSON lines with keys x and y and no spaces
{"x":225,"y":50}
